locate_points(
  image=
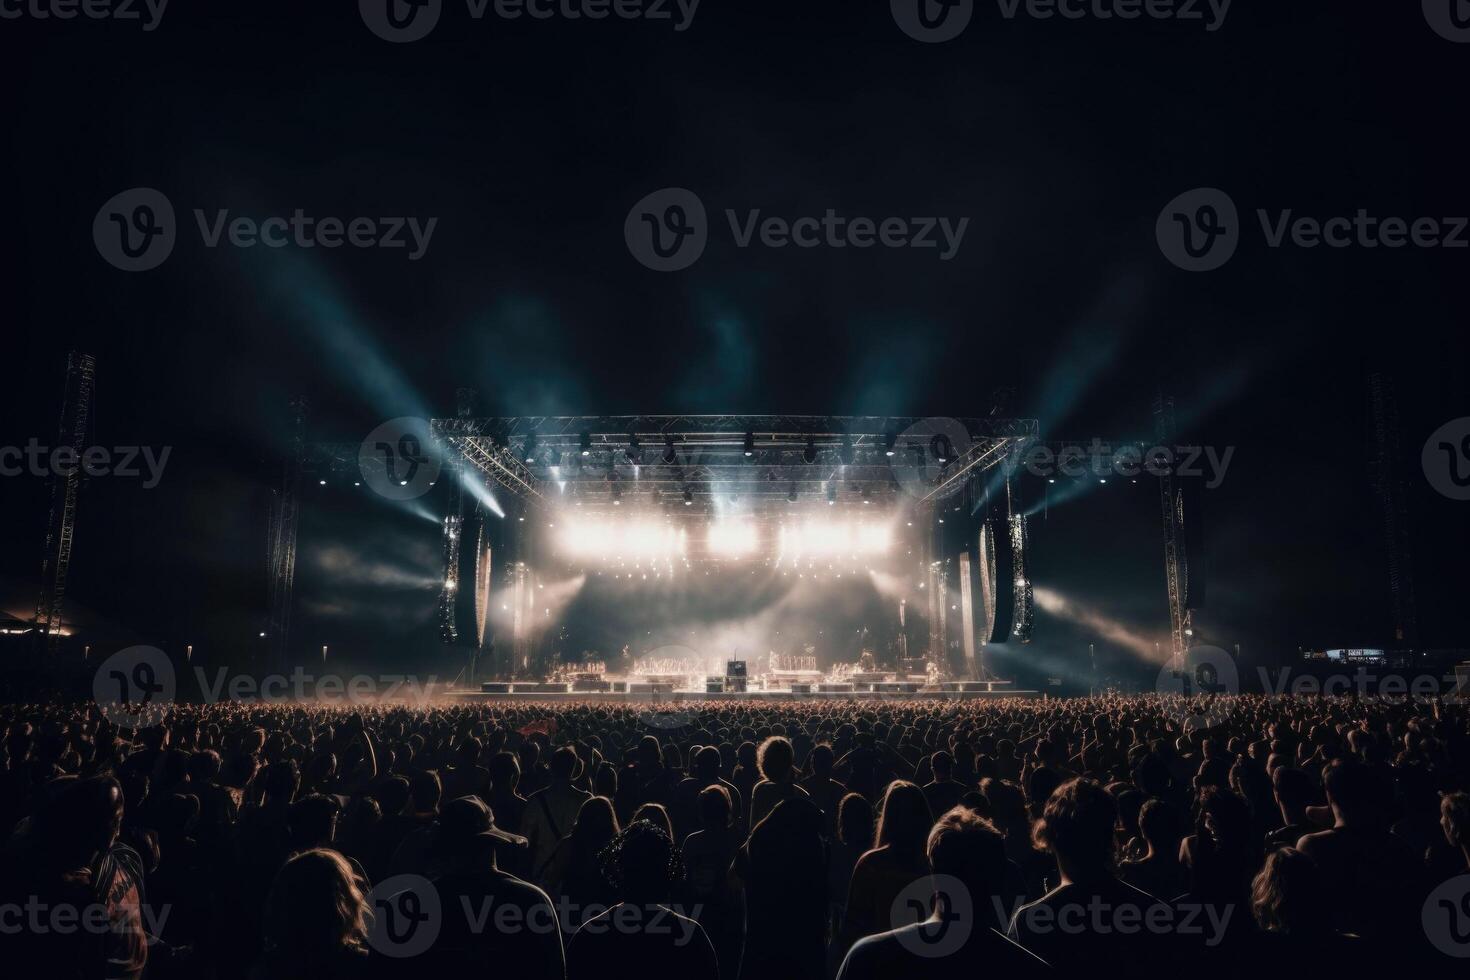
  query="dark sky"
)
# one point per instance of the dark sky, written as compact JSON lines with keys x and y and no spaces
{"x":529,"y":141}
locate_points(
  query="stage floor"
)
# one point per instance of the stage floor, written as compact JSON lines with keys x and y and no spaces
{"x":608,"y":697}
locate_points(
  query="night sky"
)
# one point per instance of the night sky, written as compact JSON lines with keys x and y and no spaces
{"x":529,"y":141}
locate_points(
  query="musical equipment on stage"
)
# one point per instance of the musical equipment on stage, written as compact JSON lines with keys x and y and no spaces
{"x":801,"y":689}
{"x":591,"y":685}
{"x":714,"y":684}
{"x":735,"y":679}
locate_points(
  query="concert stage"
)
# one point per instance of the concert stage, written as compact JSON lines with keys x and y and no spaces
{"x":692,"y":697}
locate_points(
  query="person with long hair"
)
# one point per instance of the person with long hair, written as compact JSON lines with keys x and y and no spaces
{"x":574,"y":873}
{"x":776,"y":760}
{"x":316,"y":920}
{"x":896,"y":861}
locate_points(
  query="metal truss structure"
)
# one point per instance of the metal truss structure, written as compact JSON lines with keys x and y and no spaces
{"x":285,"y":520}
{"x":694,"y":460}
{"x":76,"y":409}
{"x":1176,"y":562}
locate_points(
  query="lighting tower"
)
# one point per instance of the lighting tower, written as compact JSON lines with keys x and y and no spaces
{"x":285,"y":518}
{"x":76,"y":410}
{"x":1176,"y":564}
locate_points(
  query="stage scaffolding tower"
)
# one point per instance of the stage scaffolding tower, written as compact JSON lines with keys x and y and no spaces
{"x":284,"y":522}
{"x":1176,"y":562}
{"x":76,"y":408}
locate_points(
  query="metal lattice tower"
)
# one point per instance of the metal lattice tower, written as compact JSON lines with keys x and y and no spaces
{"x":61,"y":526}
{"x":285,"y":519}
{"x":1176,"y":566}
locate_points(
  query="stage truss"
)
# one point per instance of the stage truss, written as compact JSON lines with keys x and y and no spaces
{"x":693,"y":463}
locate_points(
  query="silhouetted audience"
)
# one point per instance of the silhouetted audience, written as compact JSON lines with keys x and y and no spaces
{"x":1293,"y":836}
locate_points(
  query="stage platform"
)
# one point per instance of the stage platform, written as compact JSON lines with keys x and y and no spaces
{"x":609,"y":697}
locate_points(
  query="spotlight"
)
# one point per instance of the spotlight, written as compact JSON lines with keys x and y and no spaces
{"x":586,"y":441}
{"x":890,"y":440}
{"x":749,"y":443}
{"x":670,"y":457}
{"x":688,"y":499}
{"x":530,"y":453}
{"x":321,"y":483}
{"x":809,"y":454}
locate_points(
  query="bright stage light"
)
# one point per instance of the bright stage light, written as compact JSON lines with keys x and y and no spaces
{"x":610,"y":541}
{"x":732,"y":539}
{"x":812,"y":539}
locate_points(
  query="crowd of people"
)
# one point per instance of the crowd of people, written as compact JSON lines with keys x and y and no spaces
{"x":744,"y":840}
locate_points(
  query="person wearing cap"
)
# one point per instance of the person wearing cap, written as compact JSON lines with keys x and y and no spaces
{"x":488,"y":915}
